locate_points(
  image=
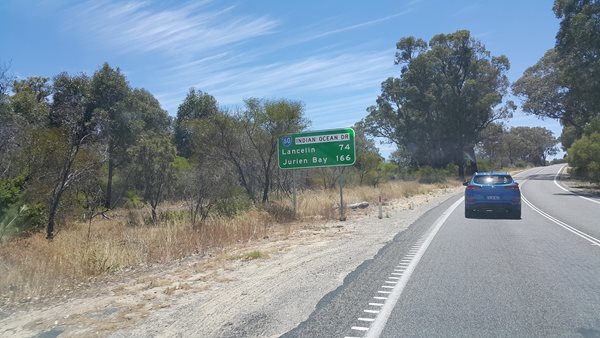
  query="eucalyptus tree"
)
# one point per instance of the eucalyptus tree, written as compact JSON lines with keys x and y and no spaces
{"x":263,"y":123}
{"x":448,"y":91}
{"x":564,"y":83}
{"x":578,"y":52}
{"x":72,"y":129}
{"x":153,"y":158}
{"x":196,"y":105}
{"x":247,"y":141}
{"x":108,"y":91}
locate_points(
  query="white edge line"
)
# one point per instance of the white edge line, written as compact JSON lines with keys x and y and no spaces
{"x":569,"y":191}
{"x":579,"y":233}
{"x":386,"y":310}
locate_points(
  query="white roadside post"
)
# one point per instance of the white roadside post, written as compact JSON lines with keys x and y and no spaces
{"x":380,"y":208}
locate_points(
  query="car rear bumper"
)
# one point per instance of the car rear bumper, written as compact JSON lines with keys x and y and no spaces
{"x":495,"y":206}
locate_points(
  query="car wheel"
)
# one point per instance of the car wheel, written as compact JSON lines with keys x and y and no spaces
{"x":516,"y":213}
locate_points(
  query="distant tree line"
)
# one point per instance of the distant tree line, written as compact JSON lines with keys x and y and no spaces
{"x":517,"y":146}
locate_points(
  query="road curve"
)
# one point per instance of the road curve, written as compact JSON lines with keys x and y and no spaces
{"x":451,"y":276}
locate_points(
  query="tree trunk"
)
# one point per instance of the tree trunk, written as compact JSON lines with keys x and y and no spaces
{"x":154,"y":214}
{"x":265,"y":197}
{"x":108,"y":198}
{"x":460,"y":161}
{"x":51,"y":217}
{"x":461,"y":171}
{"x":473,"y":161}
{"x":58,"y":191}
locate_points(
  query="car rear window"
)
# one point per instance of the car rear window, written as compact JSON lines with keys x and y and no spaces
{"x":492,"y":179}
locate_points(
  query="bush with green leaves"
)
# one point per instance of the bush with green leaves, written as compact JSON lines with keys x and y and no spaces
{"x":17,"y":216}
{"x":237,"y":202}
{"x":584,"y":157}
{"x":429,"y":175}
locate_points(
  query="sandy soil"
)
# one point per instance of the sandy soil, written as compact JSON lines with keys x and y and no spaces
{"x":227,"y":295}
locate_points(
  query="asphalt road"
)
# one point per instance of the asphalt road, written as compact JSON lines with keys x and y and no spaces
{"x":448,"y":276}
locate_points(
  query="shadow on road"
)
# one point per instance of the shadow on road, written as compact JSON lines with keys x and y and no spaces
{"x":494,"y":215}
{"x":541,"y":177}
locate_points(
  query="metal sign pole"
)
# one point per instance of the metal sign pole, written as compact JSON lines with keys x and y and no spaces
{"x":294,"y":190}
{"x":342,"y":214}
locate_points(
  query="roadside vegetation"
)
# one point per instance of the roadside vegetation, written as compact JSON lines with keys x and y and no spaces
{"x":32,"y":268}
{"x":564,"y":85}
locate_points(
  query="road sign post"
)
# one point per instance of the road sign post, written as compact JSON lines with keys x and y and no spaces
{"x":315,"y":149}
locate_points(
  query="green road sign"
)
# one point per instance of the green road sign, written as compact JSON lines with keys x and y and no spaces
{"x":313,"y":149}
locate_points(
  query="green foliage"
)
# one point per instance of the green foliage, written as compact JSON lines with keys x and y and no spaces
{"x":97,"y":139}
{"x":564,"y":84}
{"x":172,"y":215}
{"x":578,"y":47}
{"x":540,"y":88}
{"x":197,"y":105}
{"x":434,"y":116}
{"x":30,"y":100}
{"x":593,"y":126}
{"x":153,"y":157}
{"x":16,"y":215}
{"x":584,"y":156}
{"x":10,"y":191}
{"x":181,"y":164}
{"x":133,"y":200}
{"x":502,"y":147}
{"x":236,"y":202}
{"x":429,"y":175}
{"x":368,"y":159}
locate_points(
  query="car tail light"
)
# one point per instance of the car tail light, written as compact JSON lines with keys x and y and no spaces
{"x":512,"y":187}
{"x":473,"y":187}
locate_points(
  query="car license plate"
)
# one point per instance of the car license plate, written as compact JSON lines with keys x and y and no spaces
{"x":493,"y":198}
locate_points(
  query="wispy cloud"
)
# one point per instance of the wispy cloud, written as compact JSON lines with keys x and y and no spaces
{"x":356,"y":26}
{"x":336,"y":89}
{"x":223,"y":56}
{"x":139,"y":26}
{"x":310,"y":75}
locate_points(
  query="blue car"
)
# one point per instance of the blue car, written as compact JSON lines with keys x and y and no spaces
{"x":492,"y":192}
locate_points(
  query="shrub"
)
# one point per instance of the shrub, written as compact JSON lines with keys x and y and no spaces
{"x":16,"y":216}
{"x":483,"y":166}
{"x":429,"y":175}
{"x":231,"y":206}
{"x":584,"y":157}
{"x":281,"y":213}
{"x":172,"y":215}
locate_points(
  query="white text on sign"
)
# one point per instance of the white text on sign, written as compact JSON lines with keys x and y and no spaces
{"x":322,"y":138}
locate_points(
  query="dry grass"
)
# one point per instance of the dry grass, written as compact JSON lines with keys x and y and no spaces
{"x":33,"y":267}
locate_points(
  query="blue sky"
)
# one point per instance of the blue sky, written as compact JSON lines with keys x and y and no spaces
{"x":330,"y":54}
